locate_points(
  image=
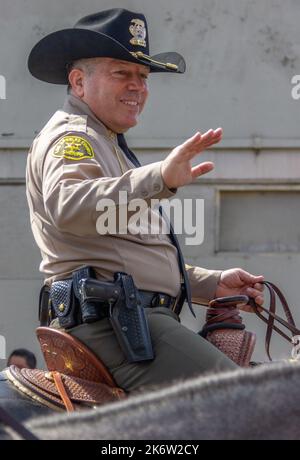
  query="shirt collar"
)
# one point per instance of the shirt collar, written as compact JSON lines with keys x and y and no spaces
{"x":75,"y":105}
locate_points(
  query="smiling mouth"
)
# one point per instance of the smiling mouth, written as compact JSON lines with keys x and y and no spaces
{"x":131,"y":103}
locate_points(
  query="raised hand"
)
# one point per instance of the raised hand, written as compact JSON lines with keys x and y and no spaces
{"x":177,"y":169}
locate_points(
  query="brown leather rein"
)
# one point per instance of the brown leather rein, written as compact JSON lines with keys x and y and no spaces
{"x":16,"y":426}
{"x":224,"y":312}
{"x":289,"y":323}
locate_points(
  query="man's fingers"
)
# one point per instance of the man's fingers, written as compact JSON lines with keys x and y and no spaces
{"x":258,"y":279}
{"x":259,"y":287}
{"x":211,"y":142}
{"x":217,"y":136}
{"x":212,"y":137}
{"x":249,"y":309}
{"x":247,"y":278}
{"x":213,"y":132}
{"x":191,"y":142}
{"x":256,"y":295}
{"x":199,"y":142}
{"x":259,"y":300}
{"x":219,"y":131}
{"x":202,"y":168}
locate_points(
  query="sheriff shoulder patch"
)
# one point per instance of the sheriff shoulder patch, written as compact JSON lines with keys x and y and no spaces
{"x":73,"y":148}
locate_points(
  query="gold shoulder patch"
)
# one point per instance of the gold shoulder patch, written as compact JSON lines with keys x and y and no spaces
{"x":73,"y":148}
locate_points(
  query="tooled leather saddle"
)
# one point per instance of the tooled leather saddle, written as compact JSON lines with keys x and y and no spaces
{"x":76,"y":379}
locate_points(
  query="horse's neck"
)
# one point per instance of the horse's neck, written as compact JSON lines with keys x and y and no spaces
{"x":17,"y":405}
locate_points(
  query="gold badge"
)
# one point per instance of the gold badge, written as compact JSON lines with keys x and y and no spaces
{"x":138,"y":30}
{"x":73,"y":148}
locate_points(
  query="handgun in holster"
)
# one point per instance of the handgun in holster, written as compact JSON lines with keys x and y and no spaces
{"x":129,"y":321}
{"x":95,"y":297}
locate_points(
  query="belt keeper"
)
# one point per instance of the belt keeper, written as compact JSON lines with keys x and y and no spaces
{"x":161,"y":300}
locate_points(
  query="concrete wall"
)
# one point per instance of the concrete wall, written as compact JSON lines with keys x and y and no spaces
{"x":241,"y":57}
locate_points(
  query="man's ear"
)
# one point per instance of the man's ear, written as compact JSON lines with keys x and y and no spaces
{"x":76,"y":77}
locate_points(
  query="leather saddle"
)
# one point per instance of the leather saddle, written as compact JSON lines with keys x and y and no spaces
{"x":76,"y":379}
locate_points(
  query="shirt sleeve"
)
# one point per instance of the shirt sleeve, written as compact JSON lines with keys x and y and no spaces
{"x":72,"y":186}
{"x":203,"y":283}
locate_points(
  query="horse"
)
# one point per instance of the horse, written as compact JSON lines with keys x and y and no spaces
{"x":18,"y":406}
{"x":252,"y":403}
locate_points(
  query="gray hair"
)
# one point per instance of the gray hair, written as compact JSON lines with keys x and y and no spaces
{"x":85,"y":64}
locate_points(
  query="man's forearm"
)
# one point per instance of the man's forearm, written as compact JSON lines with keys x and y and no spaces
{"x":203,"y":283}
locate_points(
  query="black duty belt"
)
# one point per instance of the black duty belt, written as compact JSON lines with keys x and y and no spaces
{"x":61,"y":298}
{"x":148,"y":300}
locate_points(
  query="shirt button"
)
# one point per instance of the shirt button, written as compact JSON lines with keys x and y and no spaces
{"x":156,"y":187}
{"x":144,"y":193}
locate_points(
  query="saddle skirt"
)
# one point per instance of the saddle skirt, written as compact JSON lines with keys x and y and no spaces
{"x":76,"y":378}
{"x":59,"y":391}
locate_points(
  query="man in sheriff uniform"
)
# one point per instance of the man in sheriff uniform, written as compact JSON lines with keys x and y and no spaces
{"x":81,"y":157}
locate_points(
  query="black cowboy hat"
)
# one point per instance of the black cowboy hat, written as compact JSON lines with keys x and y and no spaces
{"x":114,"y":33}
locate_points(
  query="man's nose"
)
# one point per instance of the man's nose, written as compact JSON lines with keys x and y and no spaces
{"x":137,"y":83}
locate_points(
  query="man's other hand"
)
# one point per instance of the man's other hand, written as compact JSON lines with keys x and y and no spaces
{"x":239,"y":282}
{"x":177,"y":169}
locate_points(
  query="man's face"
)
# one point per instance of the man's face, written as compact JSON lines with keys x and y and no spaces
{"x":116,"y":91}
{"x":18,"y":361}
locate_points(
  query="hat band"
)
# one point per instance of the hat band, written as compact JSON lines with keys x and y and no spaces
{"x":140,"y":54}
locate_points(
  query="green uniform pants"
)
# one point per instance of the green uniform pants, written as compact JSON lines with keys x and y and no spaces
{"x":179,"y":352}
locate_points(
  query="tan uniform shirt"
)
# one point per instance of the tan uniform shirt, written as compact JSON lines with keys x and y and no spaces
{"x":74,"y":162}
